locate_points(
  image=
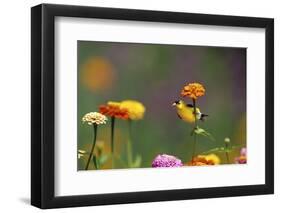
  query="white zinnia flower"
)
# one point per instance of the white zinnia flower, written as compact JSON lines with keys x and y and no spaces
{"x":94,"y":118}
{"x":81,"y":153}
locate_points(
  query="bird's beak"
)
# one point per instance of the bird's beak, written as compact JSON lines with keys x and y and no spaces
{"x":174,"y":104}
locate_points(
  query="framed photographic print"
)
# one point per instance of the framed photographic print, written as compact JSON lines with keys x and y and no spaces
{"x":141,"y":106}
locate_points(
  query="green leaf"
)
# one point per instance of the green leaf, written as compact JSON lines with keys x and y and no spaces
{"x":222,"y":149}
{"x":237,"y":146}
{"x":103,"y":159}
{"x":95,"y":162}
{"x":200,"y":131}
{"x":218,"y":149}
{"x":137,"y":162}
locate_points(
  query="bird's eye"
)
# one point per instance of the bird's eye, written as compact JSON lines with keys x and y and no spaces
{"x":177,"y":102}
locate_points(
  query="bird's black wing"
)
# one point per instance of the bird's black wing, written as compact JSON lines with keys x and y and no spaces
{"x":189,"y":105}
{"x":203,"y":117}
{"x":179,"y":116}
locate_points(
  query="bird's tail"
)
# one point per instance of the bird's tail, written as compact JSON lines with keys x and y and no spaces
{"x":203,"y":117}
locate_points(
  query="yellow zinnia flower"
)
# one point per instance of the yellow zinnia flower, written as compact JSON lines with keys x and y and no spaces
{"x":113,"y":103}
{"x":193,"y":90}
{"x":202,"y":160}
{"x":135,"y":109}
{"x":213,"y":158}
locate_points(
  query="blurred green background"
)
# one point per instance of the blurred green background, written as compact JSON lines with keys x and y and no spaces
{"x":154,"y":74}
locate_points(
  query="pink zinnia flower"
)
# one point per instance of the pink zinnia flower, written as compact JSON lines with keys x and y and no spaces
{"x":242,"y":159}
{"x":166,"y":161}
{"x":243,"y":151}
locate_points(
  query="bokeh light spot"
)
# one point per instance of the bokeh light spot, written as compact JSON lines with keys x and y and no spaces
{"x":97,"y":74}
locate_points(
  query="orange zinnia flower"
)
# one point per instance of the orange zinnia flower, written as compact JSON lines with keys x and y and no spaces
{"x":113,"y":110}
{"x":193,"y":90}
{"x":202,"y":160}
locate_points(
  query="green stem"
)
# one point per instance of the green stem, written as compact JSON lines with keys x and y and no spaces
{"x":195,"y":126}
{"x":129,"y":145}
{"x":112,"y":139}
{"x":226,"y":153}
{"x":227,"y":157}
{"x":93,"y":146}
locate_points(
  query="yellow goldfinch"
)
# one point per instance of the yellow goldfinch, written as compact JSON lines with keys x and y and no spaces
{"x":186,"y":112}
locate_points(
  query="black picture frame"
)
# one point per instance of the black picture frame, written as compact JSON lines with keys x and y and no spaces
{"x":43,"y":102}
